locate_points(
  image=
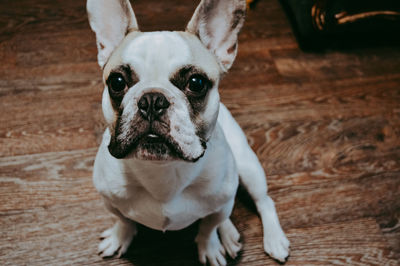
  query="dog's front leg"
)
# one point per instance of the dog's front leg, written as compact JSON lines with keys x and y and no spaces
{"x":208,"y":244}
{"x":116,"y":239}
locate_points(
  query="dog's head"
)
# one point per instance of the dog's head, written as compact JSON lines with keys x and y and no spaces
{"x":161,"y":88}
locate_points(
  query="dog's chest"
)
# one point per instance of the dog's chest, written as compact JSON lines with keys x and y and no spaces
{"x":176,"y":213}
{"x":170,"y":199}
{"x":170,"y":196}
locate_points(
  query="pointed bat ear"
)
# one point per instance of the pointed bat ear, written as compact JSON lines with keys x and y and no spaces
{"x":217,"y":24}
{"x":111,"y":20}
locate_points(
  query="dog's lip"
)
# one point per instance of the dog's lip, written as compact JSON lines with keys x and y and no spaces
{"x":152,"y":138}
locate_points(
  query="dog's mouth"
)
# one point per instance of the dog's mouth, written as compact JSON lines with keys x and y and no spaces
{"x":154,"y":147}
{"x":149,"y":146}
{"x":140,"y":139}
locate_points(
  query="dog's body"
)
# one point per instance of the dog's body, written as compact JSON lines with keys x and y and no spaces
{"x":172,"y":153}
{"x":169,"y":195}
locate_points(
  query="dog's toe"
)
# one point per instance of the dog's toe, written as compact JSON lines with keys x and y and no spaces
{"x":277,"y":247}
{"x":211,"y":251}
{"x":106,"y":233}
{"x":116,"y":240}
{"x":230,"y":238}
{"x":110,"y":250}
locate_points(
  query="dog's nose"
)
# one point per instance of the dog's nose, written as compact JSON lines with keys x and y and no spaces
{"x":152,"y":105}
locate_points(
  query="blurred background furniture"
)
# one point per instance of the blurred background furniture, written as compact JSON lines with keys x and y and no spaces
{"x":319,"y":23}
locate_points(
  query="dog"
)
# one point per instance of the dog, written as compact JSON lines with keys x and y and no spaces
{"x":172,"y":153}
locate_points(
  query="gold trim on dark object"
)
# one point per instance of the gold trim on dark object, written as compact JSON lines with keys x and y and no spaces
{"x":322,"y":20}
{"x":318,"y":14}
{"x":344,"y":17}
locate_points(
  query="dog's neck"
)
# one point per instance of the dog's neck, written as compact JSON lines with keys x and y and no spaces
{"x":165,"y":179}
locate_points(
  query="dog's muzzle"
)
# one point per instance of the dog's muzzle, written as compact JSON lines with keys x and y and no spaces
{"x":152,"y":106}
{"x":147,"y":135}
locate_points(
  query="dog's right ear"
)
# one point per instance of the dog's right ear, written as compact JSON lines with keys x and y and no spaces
{"x":217,"y":24}
{"x":111,"y":20}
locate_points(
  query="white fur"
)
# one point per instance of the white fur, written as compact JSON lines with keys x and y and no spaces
{"x":108,"y":112}
{"x":110,"y":20}
{"x":167,"y":195}
{"x":171,"y":195}
{"x":215,"y":29}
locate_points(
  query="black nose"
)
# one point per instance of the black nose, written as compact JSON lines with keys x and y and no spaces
{"x":152,"y":105}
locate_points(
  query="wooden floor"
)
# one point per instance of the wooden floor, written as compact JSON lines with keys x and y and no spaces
{"x":326,"y":127}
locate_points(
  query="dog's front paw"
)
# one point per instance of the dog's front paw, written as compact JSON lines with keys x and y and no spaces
{"x":211,"y":250}
{"x":277,"y":246}
{"x":230,"y":238}
{"x":116,"y":239}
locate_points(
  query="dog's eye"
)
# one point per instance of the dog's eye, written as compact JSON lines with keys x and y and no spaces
{"x":117,"y":82}
{"x":197,"y":84}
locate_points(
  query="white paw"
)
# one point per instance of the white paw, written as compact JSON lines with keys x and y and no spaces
{"x":116,"y":239}
{"x":230,"y":238}
{"x":277,"y":246}
{"x":211,"y":250}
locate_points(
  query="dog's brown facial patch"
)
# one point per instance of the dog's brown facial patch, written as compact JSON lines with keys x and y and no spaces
{"x":238,"y":16}
{"x":118,"y":82}
{"x":195,"y":84}
{"x":232,"y":49}
{"x":119,"y":146}
{"x":186,"y":80}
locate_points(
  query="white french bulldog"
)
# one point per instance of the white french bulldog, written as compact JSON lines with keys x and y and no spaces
{"x":172,"y":153}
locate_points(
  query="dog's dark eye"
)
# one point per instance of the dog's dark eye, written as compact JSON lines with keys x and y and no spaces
{"x":117,"y":82}
{"x":197,"y":84}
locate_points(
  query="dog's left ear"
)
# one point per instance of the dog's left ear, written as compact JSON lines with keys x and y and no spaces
{"x":217,"y":24}
{"x":111,"y":20}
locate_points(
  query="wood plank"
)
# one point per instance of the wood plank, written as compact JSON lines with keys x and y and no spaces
{"x":390,"y":227}
{"x":339,"y":99}
{"x":67,"y":234}
{"x":357,"y":242}
{"x":340,"y":65}
{"x":46,"y":179}
{"x":356,"y":145}
{"x":43,"y":16}
{"x":338,"y":200}
{"x":50,"y":121}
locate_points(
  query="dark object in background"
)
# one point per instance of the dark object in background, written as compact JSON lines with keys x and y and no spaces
{"x":322,"y":23}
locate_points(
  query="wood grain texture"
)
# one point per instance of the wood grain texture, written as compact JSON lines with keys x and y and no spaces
{"x":326,"y":127}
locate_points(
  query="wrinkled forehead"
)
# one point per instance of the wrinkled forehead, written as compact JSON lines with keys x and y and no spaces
{"x":156,"y":47}
{"x":163,"y":52}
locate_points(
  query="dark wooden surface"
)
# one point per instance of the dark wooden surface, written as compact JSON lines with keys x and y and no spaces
{"x":326,"y":127}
